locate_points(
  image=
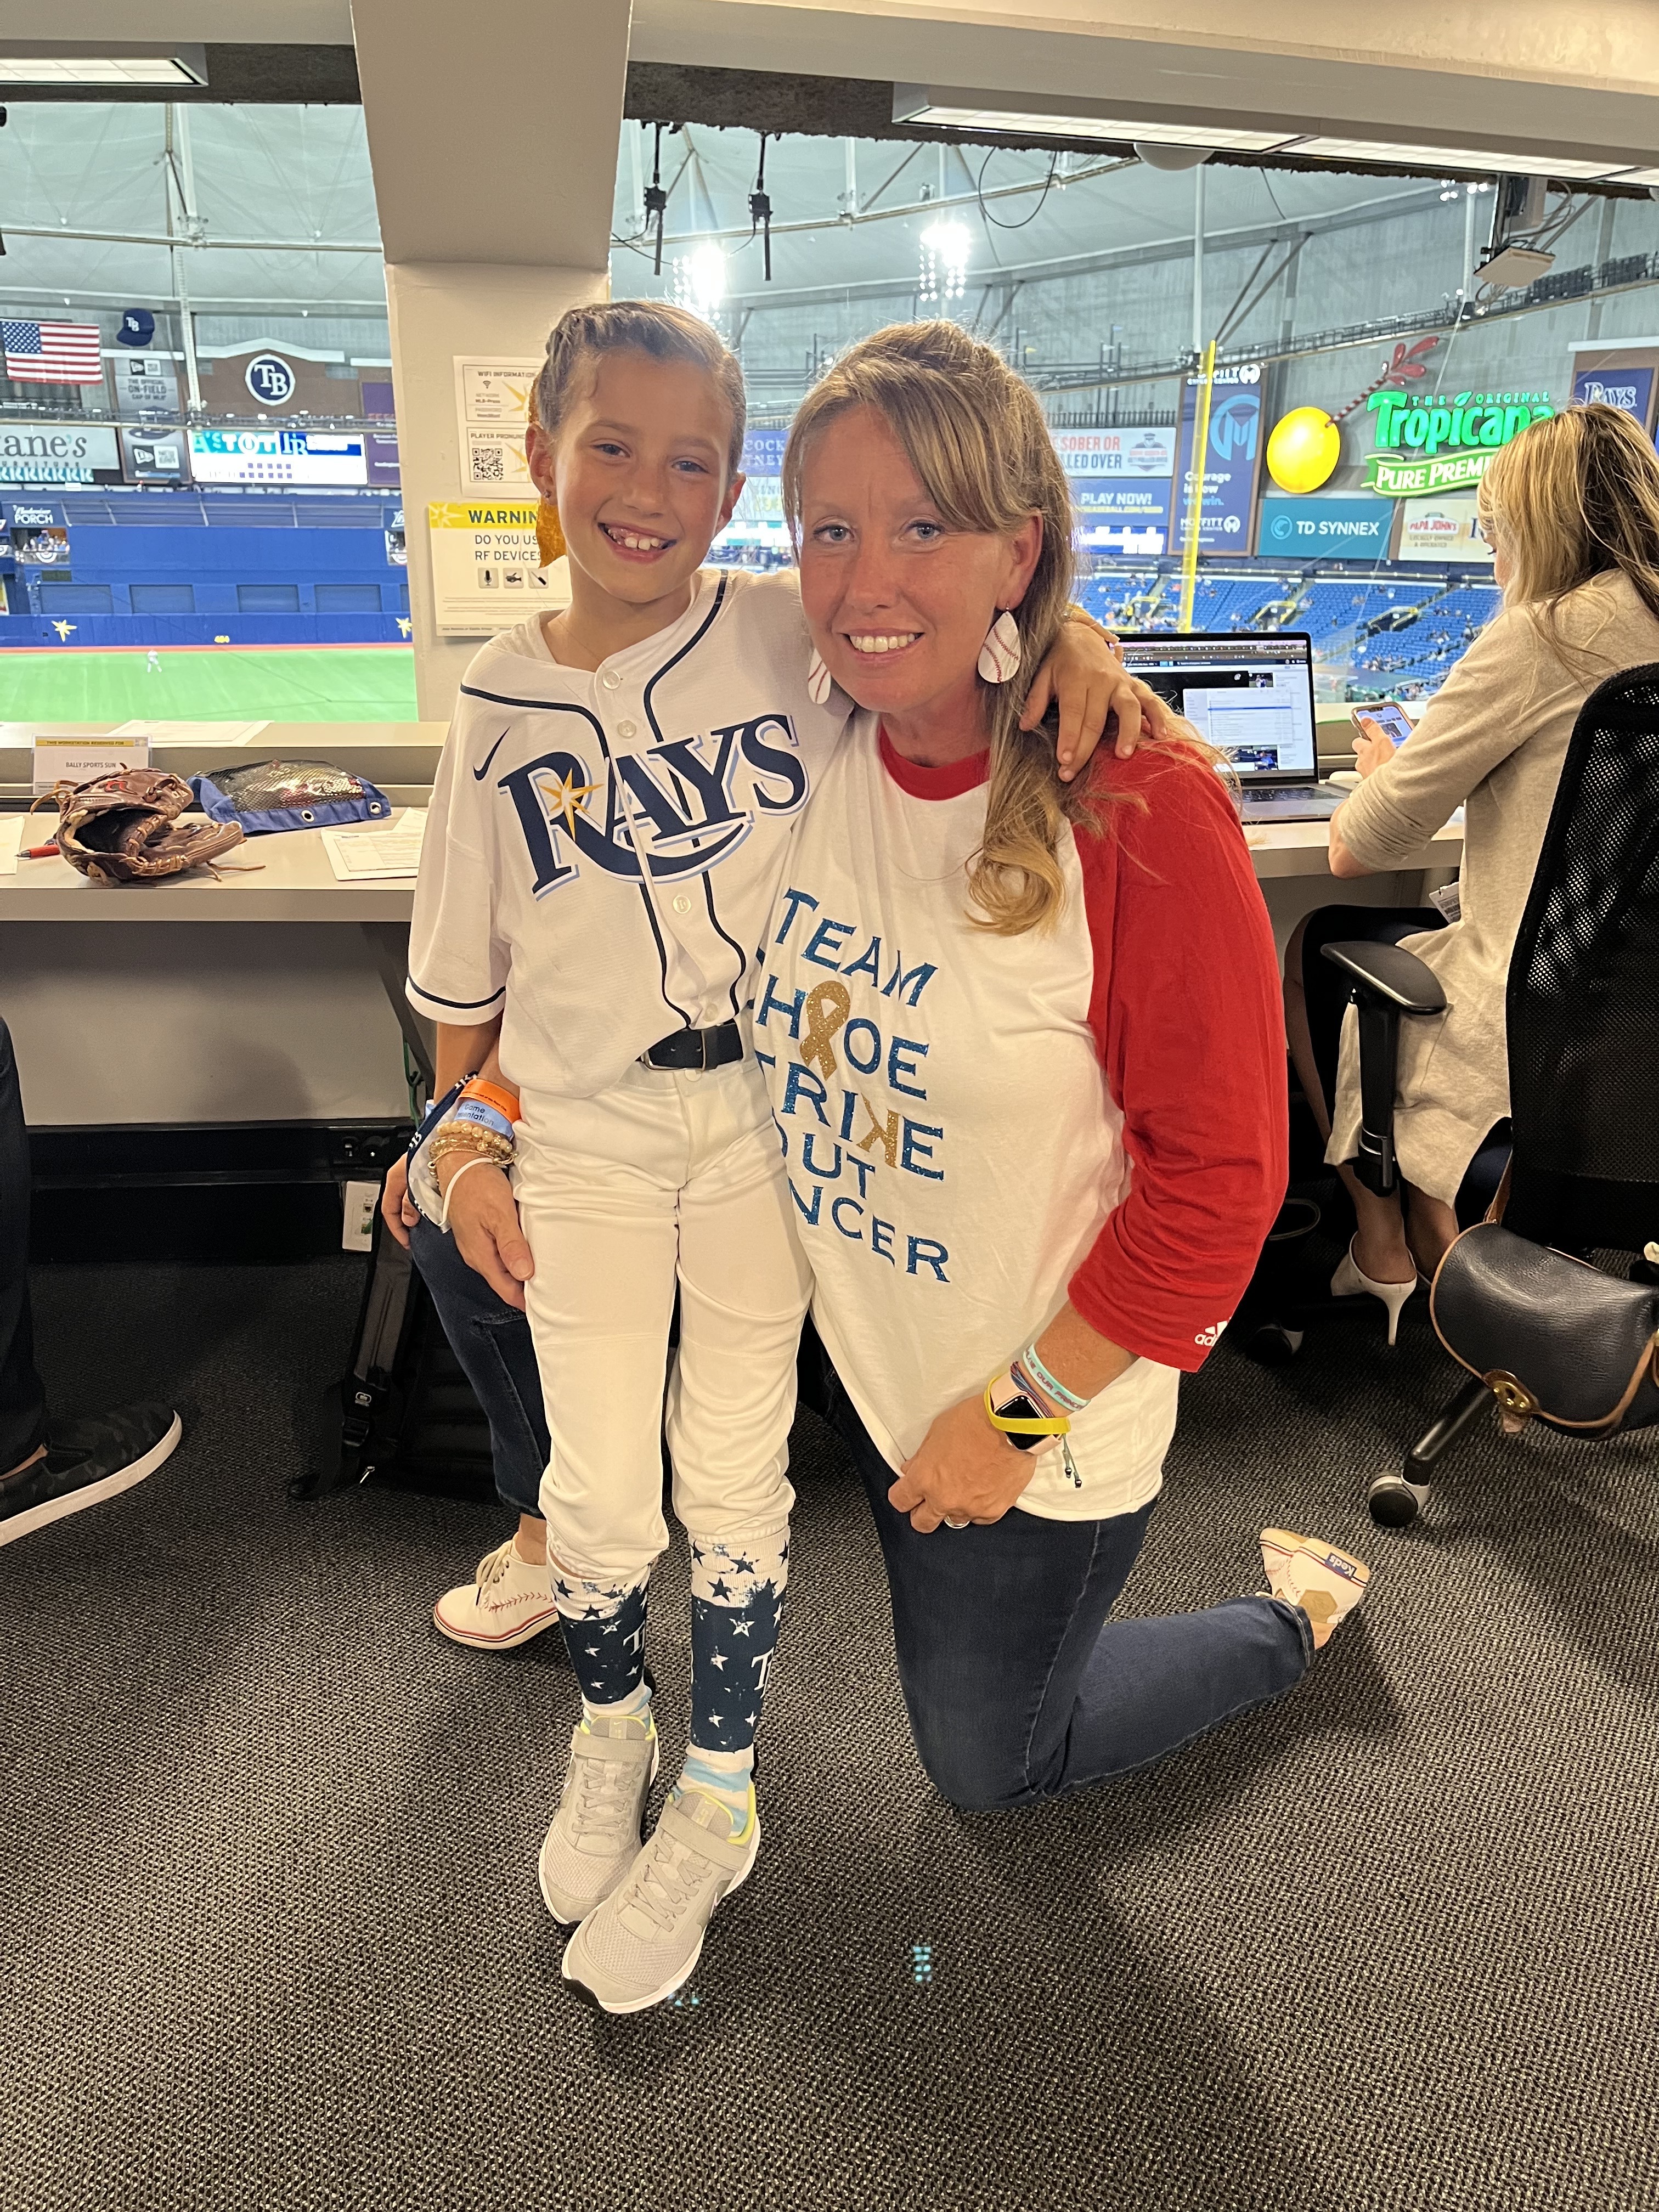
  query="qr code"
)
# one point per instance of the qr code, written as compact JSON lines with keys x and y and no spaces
{"x":489,"y":465}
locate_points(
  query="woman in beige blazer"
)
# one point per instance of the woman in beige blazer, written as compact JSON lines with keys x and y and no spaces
{"x":1571,"y":509}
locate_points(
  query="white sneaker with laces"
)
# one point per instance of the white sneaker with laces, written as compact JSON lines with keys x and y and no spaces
{"x":643,"y":1941}
{"x":508,"y":1600}
{"x":595,"y":1835}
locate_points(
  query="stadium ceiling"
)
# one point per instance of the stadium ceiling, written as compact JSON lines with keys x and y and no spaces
{"x":293,"y":75}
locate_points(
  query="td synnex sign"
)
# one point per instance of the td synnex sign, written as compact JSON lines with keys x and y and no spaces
{"x":1433,"y":445}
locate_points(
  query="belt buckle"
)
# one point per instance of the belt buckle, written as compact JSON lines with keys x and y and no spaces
{"x":703,"y":1061}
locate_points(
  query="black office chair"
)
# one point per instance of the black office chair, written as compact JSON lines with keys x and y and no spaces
{"x":1582,"y":1013}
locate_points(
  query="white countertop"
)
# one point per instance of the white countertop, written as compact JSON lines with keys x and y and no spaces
{"x":284,"y":877}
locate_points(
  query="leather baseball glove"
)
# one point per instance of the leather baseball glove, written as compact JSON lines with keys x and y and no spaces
{"x":123,"y":829}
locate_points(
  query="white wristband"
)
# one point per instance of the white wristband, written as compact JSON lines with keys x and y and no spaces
{"x":478,"y":1160}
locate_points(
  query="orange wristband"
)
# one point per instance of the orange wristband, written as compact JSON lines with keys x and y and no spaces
{"x":492,"y":1095}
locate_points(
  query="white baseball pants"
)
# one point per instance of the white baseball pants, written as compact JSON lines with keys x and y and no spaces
{"x":667,"y":1178}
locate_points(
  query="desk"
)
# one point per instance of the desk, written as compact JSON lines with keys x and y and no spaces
{"x":173,"y":1021}
{"x":267,"y":992}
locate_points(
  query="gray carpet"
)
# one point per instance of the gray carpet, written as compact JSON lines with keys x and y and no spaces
{"x":269,"y":1922}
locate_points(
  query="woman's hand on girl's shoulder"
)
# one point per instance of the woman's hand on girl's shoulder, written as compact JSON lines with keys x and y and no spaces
{"x":1095,"y":693}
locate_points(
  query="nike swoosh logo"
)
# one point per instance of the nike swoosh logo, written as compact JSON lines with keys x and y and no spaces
{"x":479,"y":773}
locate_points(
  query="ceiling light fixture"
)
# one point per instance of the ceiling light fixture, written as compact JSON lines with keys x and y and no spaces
{"x":969,"y":111}
{"x":37,"y":64}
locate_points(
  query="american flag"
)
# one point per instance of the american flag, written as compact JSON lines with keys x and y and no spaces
{"x":53,"y":353}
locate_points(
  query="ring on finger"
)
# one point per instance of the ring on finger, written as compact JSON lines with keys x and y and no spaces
{"x":954,"y":1524}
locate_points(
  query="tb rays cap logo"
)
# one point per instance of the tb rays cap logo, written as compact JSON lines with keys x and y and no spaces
{"x":684,"y":806}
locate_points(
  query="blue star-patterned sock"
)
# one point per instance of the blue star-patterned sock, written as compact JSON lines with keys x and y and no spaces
{"x":737,"y":1598}
{"x":604,"y":1634}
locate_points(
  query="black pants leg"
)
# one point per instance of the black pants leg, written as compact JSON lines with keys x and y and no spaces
{"x":22,"y":1400}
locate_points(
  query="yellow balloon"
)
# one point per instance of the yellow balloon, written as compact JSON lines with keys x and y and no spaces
{"x":1304,"y":447}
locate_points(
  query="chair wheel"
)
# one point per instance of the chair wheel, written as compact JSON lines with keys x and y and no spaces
{"x":1272,"y":1345}
{"x":1395,"y":1503}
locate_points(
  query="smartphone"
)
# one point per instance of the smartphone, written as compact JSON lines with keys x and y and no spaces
{"x":1383,"y":718}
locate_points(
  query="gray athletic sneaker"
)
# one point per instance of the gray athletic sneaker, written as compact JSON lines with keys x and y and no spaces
{"x":643,"y":1941}
{"x":595,"y":1835}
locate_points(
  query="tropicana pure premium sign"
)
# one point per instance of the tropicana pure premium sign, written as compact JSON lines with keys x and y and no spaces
{"x":1435,"y":445}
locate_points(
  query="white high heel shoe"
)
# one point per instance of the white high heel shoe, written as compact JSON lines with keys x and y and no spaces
{"x":1349,"y":1280}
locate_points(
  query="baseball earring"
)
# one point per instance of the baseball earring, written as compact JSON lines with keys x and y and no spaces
{"x":818,"y":680}
{"x":999,"y":657}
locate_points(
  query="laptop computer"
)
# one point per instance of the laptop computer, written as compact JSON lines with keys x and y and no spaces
{"x":1253,"y":698}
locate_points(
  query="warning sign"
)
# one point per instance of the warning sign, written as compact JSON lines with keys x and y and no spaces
{"x":486,"y":572}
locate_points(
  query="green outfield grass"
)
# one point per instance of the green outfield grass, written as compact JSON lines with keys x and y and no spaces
{"x":226,"y":683}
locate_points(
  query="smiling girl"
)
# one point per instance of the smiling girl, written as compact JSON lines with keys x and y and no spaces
{"x":606,"y":837}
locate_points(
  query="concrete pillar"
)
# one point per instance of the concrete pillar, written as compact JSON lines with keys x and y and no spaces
{"x":493,"y":135}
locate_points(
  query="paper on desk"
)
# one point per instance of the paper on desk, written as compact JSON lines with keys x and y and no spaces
{"x":359,"y":856}
{"x":205,"y":733}
{"x":11,"y":836}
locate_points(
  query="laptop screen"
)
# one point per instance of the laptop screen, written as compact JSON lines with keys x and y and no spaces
{"x":1251,"y":697}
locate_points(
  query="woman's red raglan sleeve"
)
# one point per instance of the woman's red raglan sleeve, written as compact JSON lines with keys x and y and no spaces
{"x":1190,"y":1025}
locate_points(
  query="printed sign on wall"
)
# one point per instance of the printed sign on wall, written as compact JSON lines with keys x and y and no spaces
{"x":57,"y":452}
{"x":486,"y":567}
{"x":145,"y":383}
{"x":492,"y":414}
{"x":1126,"y":452}
{"x":1230,"y":462}
{"x":1443,"y":529}
{"x":1115,"y":516}
{"x":1310,"y":527}
{"x":1630,"y":389}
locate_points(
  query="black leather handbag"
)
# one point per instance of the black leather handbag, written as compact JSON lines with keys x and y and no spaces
{"x":1553,"y":1339}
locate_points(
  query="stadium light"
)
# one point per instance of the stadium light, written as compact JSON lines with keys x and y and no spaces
{"x":945,"y":247}
{"x":700,"y":281}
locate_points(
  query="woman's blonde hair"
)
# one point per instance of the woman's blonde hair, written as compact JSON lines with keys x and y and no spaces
{"x":975,"y":436}
{"x":1572,"y":497}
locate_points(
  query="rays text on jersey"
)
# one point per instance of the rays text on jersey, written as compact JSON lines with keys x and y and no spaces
{"x":683,"y":806}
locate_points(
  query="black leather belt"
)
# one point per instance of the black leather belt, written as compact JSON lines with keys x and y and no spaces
{"x":715,"y":1048}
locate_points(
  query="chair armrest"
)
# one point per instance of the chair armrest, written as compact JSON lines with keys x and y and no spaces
{"x":1388,"y":982}
{"x":1396,"y":978}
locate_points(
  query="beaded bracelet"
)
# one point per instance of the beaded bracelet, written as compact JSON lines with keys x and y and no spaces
{"x":457,"y":1138}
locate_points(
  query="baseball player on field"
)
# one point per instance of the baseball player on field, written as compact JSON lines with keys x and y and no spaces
{"x":603,"y":848}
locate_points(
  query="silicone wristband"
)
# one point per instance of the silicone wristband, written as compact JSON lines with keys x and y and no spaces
{"x":1067,"y":1399}
{"x":492,"y":1094}
{"x":483,"y":1116}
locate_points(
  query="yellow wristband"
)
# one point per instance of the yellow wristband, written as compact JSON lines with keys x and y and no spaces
{"x":1014,"y":1425}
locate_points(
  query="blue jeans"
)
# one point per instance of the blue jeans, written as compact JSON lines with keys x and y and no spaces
{"x":1018,"y":1686}
{"x":491,"y":1339}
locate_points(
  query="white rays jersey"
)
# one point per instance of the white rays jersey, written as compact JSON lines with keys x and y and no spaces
{"x":604,"y":845}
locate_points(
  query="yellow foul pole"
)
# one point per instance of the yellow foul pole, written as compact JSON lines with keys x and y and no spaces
{"x":1195,"y":517}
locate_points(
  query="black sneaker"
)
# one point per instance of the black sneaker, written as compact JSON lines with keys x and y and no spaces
{"x":86,"y":1462}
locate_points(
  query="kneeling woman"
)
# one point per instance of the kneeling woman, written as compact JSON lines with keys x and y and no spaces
{"x":1026,"y":1054}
